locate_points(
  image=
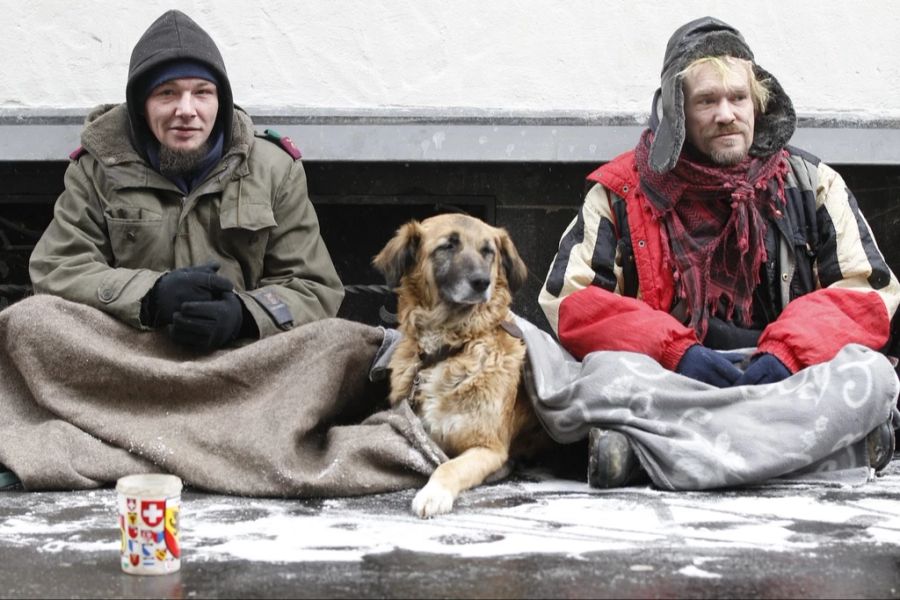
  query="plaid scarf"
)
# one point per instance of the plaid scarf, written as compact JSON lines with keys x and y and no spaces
{"x":715,"y":229}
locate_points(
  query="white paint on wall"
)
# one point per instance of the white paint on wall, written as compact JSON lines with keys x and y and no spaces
{"x":518,"y":56}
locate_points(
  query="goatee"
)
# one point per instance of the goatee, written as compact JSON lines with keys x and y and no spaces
{"x":179,"y":163}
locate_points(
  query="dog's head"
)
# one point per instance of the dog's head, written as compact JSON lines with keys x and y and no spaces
{"x":455,"y":259}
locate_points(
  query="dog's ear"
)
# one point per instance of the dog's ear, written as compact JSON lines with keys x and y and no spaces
{"x":512,"y":263}
{"x":399,"y":255}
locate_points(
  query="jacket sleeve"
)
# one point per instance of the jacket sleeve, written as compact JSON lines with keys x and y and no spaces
{"x":74,"y":259}
{"x":582,"y":295}
{"x":297,"y":267}
{"x":857,"y":296}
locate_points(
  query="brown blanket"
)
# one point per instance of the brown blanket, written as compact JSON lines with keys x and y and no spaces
{"x":85,"y":399}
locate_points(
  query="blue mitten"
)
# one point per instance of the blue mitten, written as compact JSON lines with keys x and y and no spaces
{"x":708,"y":366}
{"x":764,"y":368}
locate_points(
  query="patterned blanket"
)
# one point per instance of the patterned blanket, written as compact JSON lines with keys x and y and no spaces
{"x":691,"y":436}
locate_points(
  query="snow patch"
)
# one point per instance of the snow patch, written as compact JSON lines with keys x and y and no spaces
{"x":512,"y":518}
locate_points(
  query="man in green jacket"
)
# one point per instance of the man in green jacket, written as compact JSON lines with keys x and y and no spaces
{"x":176,"y":215}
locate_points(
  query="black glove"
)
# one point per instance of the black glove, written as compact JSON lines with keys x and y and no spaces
{"x":728,"y":336}
{"x":764,"y":368}
{"x":208,"y":325}
{"x":709,"y":366}
{"x":187,"y":284}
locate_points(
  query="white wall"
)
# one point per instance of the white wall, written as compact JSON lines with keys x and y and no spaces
{"x":519,"y":56}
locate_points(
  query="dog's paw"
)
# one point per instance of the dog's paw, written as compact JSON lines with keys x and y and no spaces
{"x":433,"y":499}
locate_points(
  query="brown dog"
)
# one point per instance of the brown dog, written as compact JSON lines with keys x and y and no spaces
{"x":458,"y":363}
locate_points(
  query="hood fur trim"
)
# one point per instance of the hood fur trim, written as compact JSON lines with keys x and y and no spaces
{"x":710,"y":37}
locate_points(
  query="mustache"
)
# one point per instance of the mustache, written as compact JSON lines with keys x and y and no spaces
{"x":726,"y":129}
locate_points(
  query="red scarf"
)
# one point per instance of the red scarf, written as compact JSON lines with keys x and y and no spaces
{"x":715,"y":228}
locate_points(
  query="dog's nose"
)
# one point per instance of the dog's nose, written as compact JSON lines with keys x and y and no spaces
{"x":479,"y":283}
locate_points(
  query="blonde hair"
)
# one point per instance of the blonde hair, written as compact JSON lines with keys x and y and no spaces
{"x":724,"y":65}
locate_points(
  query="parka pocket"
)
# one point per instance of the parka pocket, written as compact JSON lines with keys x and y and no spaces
{"x":238,"y":213}
{"x":246,"y":220}
{"x":138,"y":239}
{"x":247,"y":240}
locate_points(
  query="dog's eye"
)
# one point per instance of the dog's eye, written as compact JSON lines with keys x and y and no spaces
{"x":450,"y":244}
{"x":487,"y":251}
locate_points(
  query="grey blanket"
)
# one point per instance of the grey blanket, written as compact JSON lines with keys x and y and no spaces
{"x":85,"y":399}
{"x":690,"y":435}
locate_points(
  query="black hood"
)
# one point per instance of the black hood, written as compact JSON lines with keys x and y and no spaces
{"x":698,"y":39}
{"x":174,"y":36}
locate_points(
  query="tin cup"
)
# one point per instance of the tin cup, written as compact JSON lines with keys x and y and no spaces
{"x":149,"y":507}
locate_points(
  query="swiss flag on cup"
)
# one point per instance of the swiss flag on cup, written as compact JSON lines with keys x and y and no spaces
{"x":153,"y":512}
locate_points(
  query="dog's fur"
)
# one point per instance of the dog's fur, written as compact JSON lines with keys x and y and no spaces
{"x":455,"y":275}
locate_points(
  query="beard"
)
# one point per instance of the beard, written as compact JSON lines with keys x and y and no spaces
{"x":728,"y":157}
{"x":732,"y":153}
{"x":179,"y":163}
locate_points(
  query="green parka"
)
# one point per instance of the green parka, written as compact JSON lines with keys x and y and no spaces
{"x":120,"y":225}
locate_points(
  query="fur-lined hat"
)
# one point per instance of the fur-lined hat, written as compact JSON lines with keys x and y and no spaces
{"x":698,"y":39}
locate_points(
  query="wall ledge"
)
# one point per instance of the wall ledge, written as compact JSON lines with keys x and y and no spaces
{"x":460,"y":135}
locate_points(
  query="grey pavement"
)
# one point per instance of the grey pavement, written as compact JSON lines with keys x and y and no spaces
{"x":532,"y":536}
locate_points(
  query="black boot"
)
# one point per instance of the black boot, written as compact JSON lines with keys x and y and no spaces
{"x":881,"y":444}
{"x":8,"y":479}
{"x":612,"y":461}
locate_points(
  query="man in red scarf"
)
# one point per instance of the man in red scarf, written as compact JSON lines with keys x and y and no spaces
{"x":713,"y":235}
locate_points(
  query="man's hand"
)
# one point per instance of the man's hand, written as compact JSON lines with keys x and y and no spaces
{"x":708,"y":366}
{"x":188,"y":284}
{"x":764,"y":368}
{"x":208,"y":325}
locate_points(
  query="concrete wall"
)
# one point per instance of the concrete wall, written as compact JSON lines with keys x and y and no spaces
{"x":509,"y":56}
